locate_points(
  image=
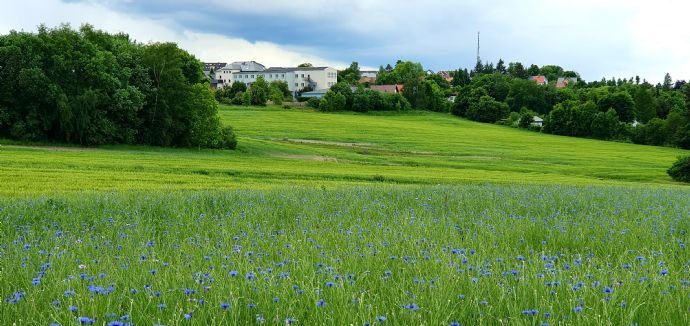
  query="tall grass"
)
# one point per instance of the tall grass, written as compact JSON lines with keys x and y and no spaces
{"x":423,"y":255}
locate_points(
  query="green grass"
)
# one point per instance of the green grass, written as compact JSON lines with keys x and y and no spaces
{"x":373,"y":214}
{"x":279,"y":147}
{"x":474,"y":254}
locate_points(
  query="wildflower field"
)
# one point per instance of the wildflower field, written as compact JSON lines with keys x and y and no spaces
{"x":378,"y":254}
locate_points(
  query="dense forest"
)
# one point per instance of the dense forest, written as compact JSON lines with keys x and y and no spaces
{"x":89,"y":87}
{"x":629,"y":109}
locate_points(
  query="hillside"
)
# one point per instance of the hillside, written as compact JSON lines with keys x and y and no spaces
{"x":279,"y":147}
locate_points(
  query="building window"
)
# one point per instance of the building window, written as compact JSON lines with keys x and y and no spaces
{"x":302,"y":84}
{"x":296,"y":84}
{"x":282,"y":76}
{"x":252,"y":76}
{"x":302,"y":75}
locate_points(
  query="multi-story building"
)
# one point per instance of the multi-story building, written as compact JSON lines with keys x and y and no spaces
{"x":297,"y":78}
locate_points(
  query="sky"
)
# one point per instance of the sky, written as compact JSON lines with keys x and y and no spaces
{"x":597,"y":38}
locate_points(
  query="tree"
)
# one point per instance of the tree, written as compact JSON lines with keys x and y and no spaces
{"x":487,"y":109}
{"x":668,"y":82}
{"x":259,"y":92}
{"x":680,"y":170}
{"x":237,"y":87}
{"x":645,"y":105}
{"x":280,"y":87}
{"x":533,"y":70}
{"x":605,"y":125}
{"x":496,"y":85}
{"x":346,"y":90}
{"x":670,"y":101}
{"x":306,"y":64}
{"x":517,"y":70}
{"x":525,"y":93}
{"x":466,"y":96}
{"x":461,"y":77}
{"x":621,"y":102}
{"x":350,"y":75}
{"x":552,"y":72}
{"x":332,"y":101}
{"x":526,"y":118}
{"x":501,"y":67}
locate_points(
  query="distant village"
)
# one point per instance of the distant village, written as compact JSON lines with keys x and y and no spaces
{"x":308,"y":81}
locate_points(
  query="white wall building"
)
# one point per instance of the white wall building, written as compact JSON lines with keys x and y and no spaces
{"x":297,"y":78}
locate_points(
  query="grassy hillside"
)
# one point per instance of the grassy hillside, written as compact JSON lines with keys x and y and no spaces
{"x":280,"y":147}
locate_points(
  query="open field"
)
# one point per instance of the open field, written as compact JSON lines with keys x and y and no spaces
{"x":431,"y":255}
{"x":279,"y":147}
{"x":345,"y":219}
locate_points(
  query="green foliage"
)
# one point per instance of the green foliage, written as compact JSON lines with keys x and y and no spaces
{"x":367,"y":99}
{"x":403,"y":73}
{"x":572,"y":118}
{"x":487,"y":109}
{"x":350,"y":75}
{"x":621,"y":102}
{"x":517,"y":70}
{"x":314,"y":102}
{"x":426,"y":95}
{"x":645,"y":105}
{"x":333,"y":101}
{"x":89,"y":87}
{"x":525,"y":93}
{"x":651,"y":133}
{"x":526,"y":118}
{"x":461,"y":77}
{"x":228,"y":138}
{"x":605,"y":125}
{"x":466,"y":96}
{"x":496,"y":85}
{"x":258,"y":92}
{"x":344,"y":89}
{"x":680,"y":170}
{"x":280,"y":87}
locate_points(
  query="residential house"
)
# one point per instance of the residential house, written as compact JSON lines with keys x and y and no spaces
{"x":446,"y":75}
{"x":393,"y":89}
{"x":297,"y":78}
{"x":537,"y":122}
{"x":563,"y":82}
{"x":540,"y":80}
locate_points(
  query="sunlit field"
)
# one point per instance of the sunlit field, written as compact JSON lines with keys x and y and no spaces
{"x":345,"y":219}
{"x":279,"y":147}
{"x":429,"y":255}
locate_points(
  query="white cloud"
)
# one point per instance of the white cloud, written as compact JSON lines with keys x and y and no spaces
{"x":619,"y":38}
{"x":206,"y":47}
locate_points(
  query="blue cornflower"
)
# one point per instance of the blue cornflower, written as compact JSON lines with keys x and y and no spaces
{"x":124,"y":317}
{"x":162,"y":306}
{"x":153,"y":271}
{"x":381,"y":319}
{"x":321,"y":303}
{"x":276,"y":299}
{"x":249,"y":276}
{"x":577,"y":309}
{"x":664,"y":272}
{"x":290,"y":321}
{"x":55,"y":303}
{"x":608,"y":290}
{"x":454,"y":323}
{"x":412,"y":306}
{"x":85,"y":321}
{"x":188,"y":316}
{"x":36,"y":281}
{"x":189,"y":291}
{"x":530,"y":312}
{"x":72,"y":308}
{"x":330,"y":284}
{"x":224,"y":305}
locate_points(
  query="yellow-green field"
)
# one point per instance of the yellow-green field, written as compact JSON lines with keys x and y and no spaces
{"x":280,"y":147}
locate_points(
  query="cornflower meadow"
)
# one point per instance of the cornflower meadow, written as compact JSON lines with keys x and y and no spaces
{"x":377,"y":255}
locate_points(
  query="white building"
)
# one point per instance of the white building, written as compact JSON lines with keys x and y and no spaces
{"x":297,"y":78}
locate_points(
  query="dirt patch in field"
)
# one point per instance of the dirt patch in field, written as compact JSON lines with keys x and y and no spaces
{"x":324,"y":142}
{"x":309,"y":157}
{"x":57,"y":148}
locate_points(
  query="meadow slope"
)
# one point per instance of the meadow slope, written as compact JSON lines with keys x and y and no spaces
{"x":279,"y":147}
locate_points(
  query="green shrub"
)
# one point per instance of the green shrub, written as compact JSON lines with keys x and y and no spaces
{"x":228,"y":138}
{"x":680,"y":171}
{"x":313,"y":102}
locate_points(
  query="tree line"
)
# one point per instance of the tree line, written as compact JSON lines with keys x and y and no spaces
{"x":629,"y":109}
{"x":90,"y":87}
